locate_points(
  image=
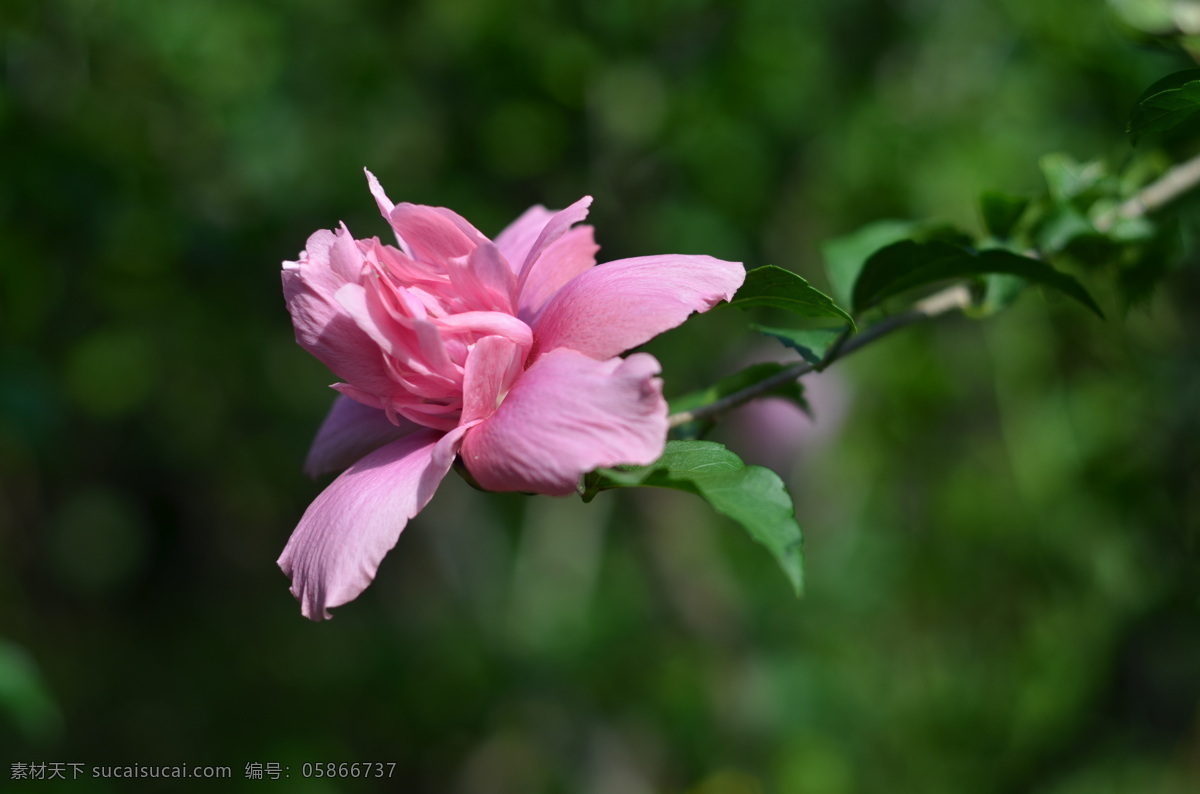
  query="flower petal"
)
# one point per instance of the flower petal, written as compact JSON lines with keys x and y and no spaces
{"x":434,"y":234}
{"x":563,"y":260}
{"x":486,"y":324}
{"x":566,"y":415}
{"x":323,"y":326}
{"x":385,"y":204}
{"x":492,"y":366}
{"x":334,"y":552}
{"x":483,"y":281}
{"x":610,"y":308}
{"x":520,"y":235}
{"x":555,"y":227}
{"x":350,"y":431}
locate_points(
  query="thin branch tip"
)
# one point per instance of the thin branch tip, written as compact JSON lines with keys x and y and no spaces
{"x":1174,"y":183}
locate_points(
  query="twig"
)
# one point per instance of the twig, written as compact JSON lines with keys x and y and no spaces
{"x":1170,"y":186}
{"x":949,"y":299}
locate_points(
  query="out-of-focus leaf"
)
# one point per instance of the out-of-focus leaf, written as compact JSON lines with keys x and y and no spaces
{"x":783,"y":289}
{"x":23,"y":695}
{"x":752,"y":496}
{"x":811,"y":343}
{"x":1120,"y":228}
{"x":1148,"y":16}
{"x":1062,"y":225}
{"x":999,"y":292}
{"x":844,"y":256}
{"x":905,"y":265}
{"x":1166,"y":103}
{"x":1150,"y":261}
{"x":1068,"y":179}
{"x":1001,"y":212}
{"x":1143,"y":168}
{"x":755,"y":373}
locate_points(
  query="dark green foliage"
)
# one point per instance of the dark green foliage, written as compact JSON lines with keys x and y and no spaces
{"x":753,"y":496}
{"x":1145,"y":266}
{"x":906,"y":265}
{"x":845,"y":256}
{"x":1001,"y":212}
{"x":791,"y":390}
{"x":755,"y":373}
{"x":781,"y":289}
{"x":1000,"y":528}
{"x":1166,"y":104}
{"x":811,"y":343}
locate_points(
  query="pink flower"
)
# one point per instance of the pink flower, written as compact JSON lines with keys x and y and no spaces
{"x":503,"y":352}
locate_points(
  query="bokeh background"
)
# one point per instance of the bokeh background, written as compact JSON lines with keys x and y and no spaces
{"x":1001,"y":517}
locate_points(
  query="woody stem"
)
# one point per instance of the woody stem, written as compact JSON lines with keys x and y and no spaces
{"x":1174,"y":183}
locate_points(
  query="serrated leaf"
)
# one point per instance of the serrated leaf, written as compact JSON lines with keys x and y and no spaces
{"x":905,"y":265}
{"x":811,"y":343}
{"x":1166,"y":103}
{"x":844,"y":256}
{"x":783,"y":289}
{"x":1001,"y":212}
{"x":752,"y":496}
{"x":751,"y":375}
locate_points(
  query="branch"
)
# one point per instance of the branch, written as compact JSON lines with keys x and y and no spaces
{"x":1173,"y":184}
{"x":1170,"y":186}
{"x":949,"y":299}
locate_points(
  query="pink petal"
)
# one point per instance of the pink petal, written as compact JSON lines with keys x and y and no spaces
{"x":610,"y":308}
{"x":555,"y":228}
{"x":385,"y":204}
{"x":414,"y":341}
{"x":434,"y":234}
{"x":492,"y":367}
{"x":563,"y":260}
{"x":566,"y":415}
{"x":483,"y":280}
{"x":520,"y":235}
{"x":334,"y":552}
{"x":487,"y":324}
{"x":350,"y":431}
{"x":323,"y":326}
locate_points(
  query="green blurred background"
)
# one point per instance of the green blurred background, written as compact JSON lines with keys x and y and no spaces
{"x":1001,"y":517}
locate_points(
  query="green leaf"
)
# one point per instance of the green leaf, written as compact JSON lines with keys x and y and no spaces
{"x":24,"y":696}
{"x":1148,"y":263}
{"x":1167,"y":103}
{"x":783,"y":289}
{"x":999,"y":292}
{"x":811,"y":343}
{"x":1148,"y":16}
{"x":905,"y":265}
{"x":845,"y":256}
{"x":752,"y":496}
{"x":1001,"y":212}
{"x":1068,"y":179}
{"x":755,"y":373}
{"x":1061,"y":226}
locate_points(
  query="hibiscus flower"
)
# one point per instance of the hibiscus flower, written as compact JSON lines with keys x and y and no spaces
{"x":503,"y":352}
